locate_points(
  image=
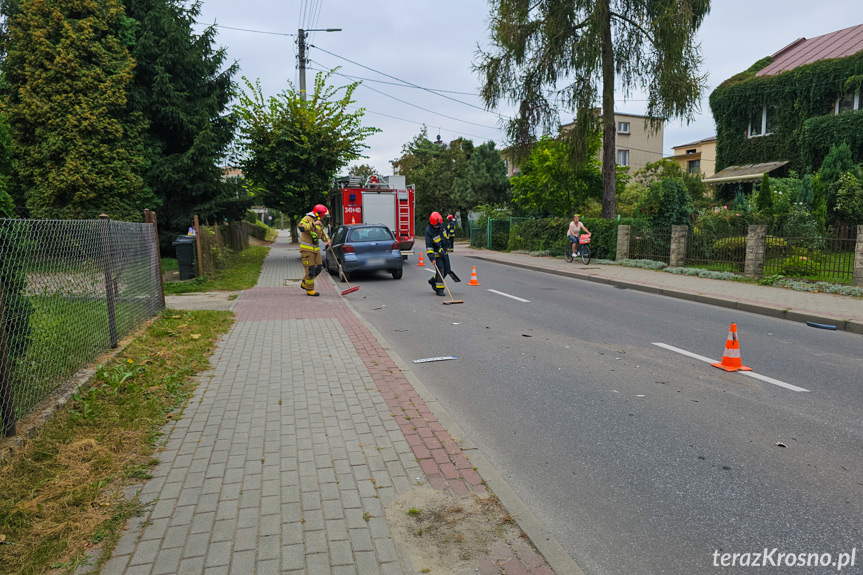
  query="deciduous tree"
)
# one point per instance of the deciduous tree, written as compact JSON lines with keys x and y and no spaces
{"x":292,"y":148}
{"x":553,"y":54}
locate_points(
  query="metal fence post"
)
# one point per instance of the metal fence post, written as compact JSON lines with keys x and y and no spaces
{"x":109,"y":282}
{"x":7,"y":398}
{"x":488,"y":226}
{"x":858,"y":258}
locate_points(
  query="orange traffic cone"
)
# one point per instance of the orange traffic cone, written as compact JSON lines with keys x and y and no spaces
{"x":421,"y":262}
{"x":731,"y":358}
{"x":353,"y":220}
{"x":473,"y":281}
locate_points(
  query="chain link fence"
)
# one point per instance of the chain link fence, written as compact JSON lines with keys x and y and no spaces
{"x":69,"y":291}
{"x":492,"y":234}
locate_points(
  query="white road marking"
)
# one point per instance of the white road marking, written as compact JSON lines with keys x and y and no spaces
{"x":748,"y":373}
{"x":509,"y":296}
{"x":430,"y":271}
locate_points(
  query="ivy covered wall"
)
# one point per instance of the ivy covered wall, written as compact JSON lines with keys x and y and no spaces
{"x":802,"y":102}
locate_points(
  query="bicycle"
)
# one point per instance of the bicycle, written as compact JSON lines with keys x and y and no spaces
{"x":583,"y":249}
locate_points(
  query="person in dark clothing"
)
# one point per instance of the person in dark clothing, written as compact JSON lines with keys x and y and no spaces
{"x":450,"y":231}
{"x":436,"y":251}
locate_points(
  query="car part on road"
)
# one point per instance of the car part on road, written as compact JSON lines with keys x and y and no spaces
{"x":821,"y":325}
{"x":451,"y":300}
{"x":428,"y":359}
{"x":454,"y":277}
{"x":341,"y":271}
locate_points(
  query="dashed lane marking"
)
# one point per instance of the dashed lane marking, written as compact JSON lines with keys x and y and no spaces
{"x":509,"y":296}
{"x":746,"y":373}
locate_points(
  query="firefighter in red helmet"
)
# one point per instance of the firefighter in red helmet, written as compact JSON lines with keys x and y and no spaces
{"x":436,"y":250}
{"x":450,"y":232}
{"x":311,"y":233}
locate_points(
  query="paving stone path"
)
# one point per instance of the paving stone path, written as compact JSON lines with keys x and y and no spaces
{"x":292,"y":445}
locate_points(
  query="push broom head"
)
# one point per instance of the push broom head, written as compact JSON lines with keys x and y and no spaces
{"x":453,"y":301}
{"x":350,"y":290}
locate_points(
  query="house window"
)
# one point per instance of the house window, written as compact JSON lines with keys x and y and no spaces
{"x":694,"y":166}
{"x":761,"y":121}
{"x":849,"y":102}
{"x":692,"y":151}
{"x":623,"y":128}
{"x":622,"y":157}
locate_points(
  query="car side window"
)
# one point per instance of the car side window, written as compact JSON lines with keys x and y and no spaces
{"x":339,"y":235}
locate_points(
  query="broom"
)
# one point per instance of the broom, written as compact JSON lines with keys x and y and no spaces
{"x":452,"y":301}
{"x":342,"y":272}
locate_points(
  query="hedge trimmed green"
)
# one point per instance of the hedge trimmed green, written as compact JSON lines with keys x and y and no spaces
{"x":549,"y":234}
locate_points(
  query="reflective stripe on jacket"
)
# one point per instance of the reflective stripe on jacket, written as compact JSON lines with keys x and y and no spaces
{"x":310,"y":223}
{"x":434,"y":243}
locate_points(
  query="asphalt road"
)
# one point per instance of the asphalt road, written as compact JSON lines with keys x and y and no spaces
{"x":640,"y":460}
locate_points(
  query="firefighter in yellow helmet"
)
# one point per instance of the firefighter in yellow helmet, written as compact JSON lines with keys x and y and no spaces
{"x":311,"y":233}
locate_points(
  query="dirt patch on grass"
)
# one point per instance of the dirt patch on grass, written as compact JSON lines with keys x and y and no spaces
{"x":445,"y":534}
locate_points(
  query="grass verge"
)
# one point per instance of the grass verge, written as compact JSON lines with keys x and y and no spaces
{"x":241,"y":272}
{"x":63,"y":493}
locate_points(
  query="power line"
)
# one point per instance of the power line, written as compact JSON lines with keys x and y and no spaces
{"x":254,"y":31}
{"x":441,"y":128}
{"x":410,"y":83}
{"x":414,"y":105}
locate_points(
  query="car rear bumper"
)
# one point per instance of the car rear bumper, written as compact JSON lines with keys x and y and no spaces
{"x":376,"y":262}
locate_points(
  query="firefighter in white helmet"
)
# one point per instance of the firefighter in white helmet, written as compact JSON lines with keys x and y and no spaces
{"x":311,"y":233}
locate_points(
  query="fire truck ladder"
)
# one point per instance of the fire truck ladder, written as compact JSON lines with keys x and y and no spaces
{"x":404,"y":215}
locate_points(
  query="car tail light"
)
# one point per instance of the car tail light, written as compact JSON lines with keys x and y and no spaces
{"x":395,"y":245}
{"x":348,"y":248}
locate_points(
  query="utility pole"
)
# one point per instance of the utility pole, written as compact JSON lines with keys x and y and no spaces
{"x":301,"y":55}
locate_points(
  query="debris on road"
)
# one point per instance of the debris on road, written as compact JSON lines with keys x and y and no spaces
{"x":381,"y":307}
{"x":428,"y":359}
{"x":821,"y":325}
{"x":780,"y":444}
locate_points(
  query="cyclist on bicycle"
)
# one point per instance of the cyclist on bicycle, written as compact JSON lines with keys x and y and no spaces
{"x":575,"y":228}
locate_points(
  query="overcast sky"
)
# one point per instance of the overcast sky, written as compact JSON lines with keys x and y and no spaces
{"x":432,"y":44}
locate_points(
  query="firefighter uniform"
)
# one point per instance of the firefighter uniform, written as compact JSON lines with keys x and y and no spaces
{"x":311,"y":233}
{"x":450,"y":233}
{"x":436,"y":250}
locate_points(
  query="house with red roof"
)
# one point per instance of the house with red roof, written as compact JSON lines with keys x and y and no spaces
{"x":787,"y":110}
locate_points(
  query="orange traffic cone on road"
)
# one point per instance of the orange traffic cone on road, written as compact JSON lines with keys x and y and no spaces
{"x":421,"y":262}
{"x":353,"y":220}
{"x":473,"y":281}
{"x":731,"y":358}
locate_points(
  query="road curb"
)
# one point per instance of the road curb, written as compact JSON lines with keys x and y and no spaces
{"x":555,"y":555}
{"x":787,"y":314}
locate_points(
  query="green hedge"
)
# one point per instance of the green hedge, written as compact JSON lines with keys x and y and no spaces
{"x":259,"y":230}
{"x":549,"y":234}
{"x":734,"y":248}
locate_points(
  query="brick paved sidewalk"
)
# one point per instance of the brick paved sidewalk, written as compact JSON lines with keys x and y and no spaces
{"x":292,"y":446}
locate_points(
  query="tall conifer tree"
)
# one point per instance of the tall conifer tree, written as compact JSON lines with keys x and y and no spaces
{"x":183,"y":89}
{"x":78,"y":147}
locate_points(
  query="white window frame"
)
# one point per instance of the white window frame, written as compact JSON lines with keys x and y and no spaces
{"x":764,"y":131}
{"x":618,"y":158}
{"x":626,"y":131}
{"x":858,"y":102}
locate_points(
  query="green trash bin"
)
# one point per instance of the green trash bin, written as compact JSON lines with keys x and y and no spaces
{"x":185,"y":246}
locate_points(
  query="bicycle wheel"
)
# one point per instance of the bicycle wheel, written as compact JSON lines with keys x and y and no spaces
{"x":585,"y":254}
{"x":567,"y":255}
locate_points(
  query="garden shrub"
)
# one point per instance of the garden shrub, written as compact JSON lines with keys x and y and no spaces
{"x":734,"y":248}
{"x":258,"y":230}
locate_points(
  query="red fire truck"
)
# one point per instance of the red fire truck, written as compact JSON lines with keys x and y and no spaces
{"x":379,"y":200}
